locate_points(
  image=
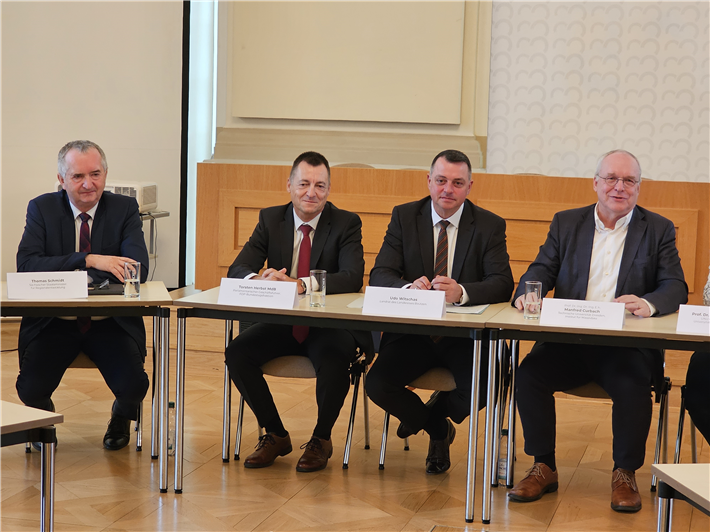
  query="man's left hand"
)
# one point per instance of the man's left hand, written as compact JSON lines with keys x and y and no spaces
{"x":448,"y":285}
{"x":635,"y":305}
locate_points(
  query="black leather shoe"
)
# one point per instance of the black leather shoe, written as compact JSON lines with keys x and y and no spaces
{"x":118,"y":433}
{"x":403,"y":431}
{"x":437,"y":460}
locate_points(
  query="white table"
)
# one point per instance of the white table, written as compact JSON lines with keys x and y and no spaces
{"x":336,"y":314}
{"x":152,"y":302}
{"x":22,"y":424}
{"x":688,"y":482}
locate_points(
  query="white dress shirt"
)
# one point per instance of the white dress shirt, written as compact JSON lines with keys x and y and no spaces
{"x":607,"y":250}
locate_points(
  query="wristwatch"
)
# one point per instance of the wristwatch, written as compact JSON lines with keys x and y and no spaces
{"x":302,"y":284}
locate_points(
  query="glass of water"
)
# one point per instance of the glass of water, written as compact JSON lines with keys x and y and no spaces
{"x":318,"y":288}
{"x":533,"y":293}
{"x":131,"y":279}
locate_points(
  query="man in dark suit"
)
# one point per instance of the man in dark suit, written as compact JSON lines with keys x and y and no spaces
{"x":308,"y":233}
{"x":84,"y":228}
{"x":611,"y":251}
{"x":442,"y":242}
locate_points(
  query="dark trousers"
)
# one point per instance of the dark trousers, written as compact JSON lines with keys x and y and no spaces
{"x":403,"y":358}
{"x":115,"y":353}
{"x":697,"y":392}
{"x":330,"y":350}
{"x":624,"y":374}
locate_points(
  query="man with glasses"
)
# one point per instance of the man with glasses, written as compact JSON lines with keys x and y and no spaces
{"x":442,"y":242}
{"x":611,"y":251}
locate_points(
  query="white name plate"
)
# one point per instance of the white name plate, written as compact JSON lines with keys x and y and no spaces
{"x":381,"y":301}
{"x":693,"y":319}
{"x":260,"y":294}
{"x":48,"y":285}
{"x":583,"y":314}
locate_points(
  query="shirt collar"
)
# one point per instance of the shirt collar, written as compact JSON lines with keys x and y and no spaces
{"x":454,"y":219}
{"x":297,"y":222}
{"x":91,"y":212}
{"x":620,"y":223}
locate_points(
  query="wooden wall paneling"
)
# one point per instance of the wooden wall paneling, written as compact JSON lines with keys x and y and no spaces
{"x":230,"y":196}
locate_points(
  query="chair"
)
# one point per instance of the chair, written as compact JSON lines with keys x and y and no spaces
{"x":591,"y":390}
{"x":297,"y":367}
{"x":679,"y":437}
{"x":437,"y":379}
{"x":83,"y":361}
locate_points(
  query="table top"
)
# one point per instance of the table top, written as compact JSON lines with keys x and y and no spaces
{"x":16,"y":418}
{"x":692,"y":480}
{"x":153,"y":294}
{"x":662,"y":327}
{"x":336,"y":307}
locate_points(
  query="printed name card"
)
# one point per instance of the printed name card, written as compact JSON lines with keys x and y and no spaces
{"x":693,"y":319}
{"x":381,"y":301}
{"x":260,"y":294}
{"x":47,"y":285}
{"x":583,"y":314}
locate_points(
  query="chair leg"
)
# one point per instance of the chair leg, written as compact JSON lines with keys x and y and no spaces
{"x":693,"y":444}
{"x":28,"y":447}
{"x":681,"y":420}
{"x":383,"y":445}
{"x":227,"y":400}
{"x":238,"y":435}
{"x":510,"y":465}
{"x":406,"y":443}
{"x":661,"y":448}
{"x":351,"y":423}
{"x":366,"y":409}
{"x":139,"y":427}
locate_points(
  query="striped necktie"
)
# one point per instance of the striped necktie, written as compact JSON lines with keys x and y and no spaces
{"x":84,"y":322}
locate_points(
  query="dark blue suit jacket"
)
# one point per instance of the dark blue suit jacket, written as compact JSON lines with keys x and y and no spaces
{"x":650,"y":266}
{"x":49,"y":241}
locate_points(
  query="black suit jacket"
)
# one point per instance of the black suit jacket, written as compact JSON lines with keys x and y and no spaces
{"x":49,"y":241}
{"x":481,"y":264}
{"x":650,"y":266}
{"x":337,"y":249}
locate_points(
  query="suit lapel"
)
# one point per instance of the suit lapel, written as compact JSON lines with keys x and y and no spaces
{"x":320,"y":236}
{"x":97,"y":228}
{"x":286,"y":229}
{"x":68,"y":227}
{"x":426,"y":239}
{"x":463,"y":239}
{"x":637,"y":227}
{"x":585,"y":243}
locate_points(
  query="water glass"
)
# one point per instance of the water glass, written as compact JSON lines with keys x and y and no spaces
{"x":131,"y":279}
{"x":533,"y":293}
{"x":317,"y":288}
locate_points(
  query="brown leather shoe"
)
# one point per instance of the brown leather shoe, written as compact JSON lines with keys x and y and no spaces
{"x":625,"y":495}
{"x":540,"y":479}
{"x":316,"y":454}
{"x":269,"y":447}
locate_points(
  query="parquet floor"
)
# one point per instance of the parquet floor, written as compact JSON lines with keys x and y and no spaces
{"x":102,"y":490}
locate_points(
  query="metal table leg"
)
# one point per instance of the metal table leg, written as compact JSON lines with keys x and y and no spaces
{"x":510,"y":466}
{"x":164,"y":378}
{"x":47,"y":479}
{"x":179,"y":402}
{"x":491,"y":431}
{"x":227,"y":399}
{"x":154,"y":423}
{"x":477,"y":335}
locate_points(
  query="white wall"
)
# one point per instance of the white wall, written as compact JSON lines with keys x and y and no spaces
{"x":572,"y":80}
{"x":105,"y":71}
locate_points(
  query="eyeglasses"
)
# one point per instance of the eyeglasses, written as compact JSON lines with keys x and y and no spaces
{"x":628,"y":182}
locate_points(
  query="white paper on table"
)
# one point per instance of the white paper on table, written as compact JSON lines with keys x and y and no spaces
{"x":380,"y":301}
{"x":476,"y":309}
{"x":584,"y":314}
{"x":259,"y":294}
{"x":693,"y":319}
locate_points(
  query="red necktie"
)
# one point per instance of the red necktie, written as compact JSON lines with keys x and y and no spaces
{"x":84,"y":323}
{"x":300,"y":332}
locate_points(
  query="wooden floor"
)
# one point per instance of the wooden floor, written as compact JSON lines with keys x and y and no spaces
{"x":102,"y":490}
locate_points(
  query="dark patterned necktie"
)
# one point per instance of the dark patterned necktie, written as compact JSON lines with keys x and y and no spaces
{"x":441,"y":262}
{"x":84,"y":322}
{"x":300,"y":332}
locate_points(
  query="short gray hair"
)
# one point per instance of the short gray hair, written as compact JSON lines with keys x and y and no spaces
{"x":83,"y":146}
{"x":612,"y":152}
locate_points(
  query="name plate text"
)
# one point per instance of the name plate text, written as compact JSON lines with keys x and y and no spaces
{"x":381,"y":301}
{"x":47,"y":285}
{"x":583,"y":314}
{"x":693,"y":319}
{"x":260,"y":294}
